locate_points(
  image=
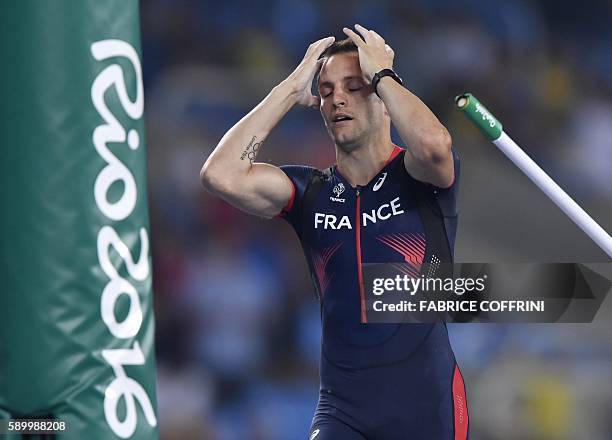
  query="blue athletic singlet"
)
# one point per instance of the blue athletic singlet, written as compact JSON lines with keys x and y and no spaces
{"x":378,"y":381}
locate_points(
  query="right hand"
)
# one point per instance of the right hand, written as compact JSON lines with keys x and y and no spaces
{"x":301,"y":78}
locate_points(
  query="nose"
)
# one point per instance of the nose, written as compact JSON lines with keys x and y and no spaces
{"x":340,"y":98}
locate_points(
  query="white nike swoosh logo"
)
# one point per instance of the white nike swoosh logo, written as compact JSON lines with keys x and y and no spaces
{"x":314,"y":434}
{"x":380,"y":182}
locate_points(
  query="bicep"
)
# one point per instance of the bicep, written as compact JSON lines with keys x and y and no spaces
{"x":264,"y":191}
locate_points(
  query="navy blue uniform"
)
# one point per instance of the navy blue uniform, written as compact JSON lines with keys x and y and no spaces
{"x":378,"y":381}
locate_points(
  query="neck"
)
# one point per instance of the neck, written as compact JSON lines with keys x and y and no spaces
{"x":365,"y":161}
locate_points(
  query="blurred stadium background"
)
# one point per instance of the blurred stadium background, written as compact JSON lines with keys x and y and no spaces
{"x":237,"y":321}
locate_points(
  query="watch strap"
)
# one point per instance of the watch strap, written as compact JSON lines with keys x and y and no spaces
{"x":380,"y":75}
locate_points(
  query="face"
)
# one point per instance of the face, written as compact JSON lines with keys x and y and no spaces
{"x":351,"y":111}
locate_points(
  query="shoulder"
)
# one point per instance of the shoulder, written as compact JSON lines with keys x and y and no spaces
{"x":298,"y":171}
{"x":300,"y":176}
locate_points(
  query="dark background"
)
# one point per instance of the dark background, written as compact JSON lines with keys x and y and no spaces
{"x":237,"y":321}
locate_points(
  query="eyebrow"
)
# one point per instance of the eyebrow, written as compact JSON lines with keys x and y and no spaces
{"x":346,"y":78}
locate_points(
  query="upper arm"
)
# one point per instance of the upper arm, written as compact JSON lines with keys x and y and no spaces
{"x":263,"y":191}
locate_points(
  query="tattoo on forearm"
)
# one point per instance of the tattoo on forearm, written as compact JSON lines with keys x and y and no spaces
{"x":251,"y":150}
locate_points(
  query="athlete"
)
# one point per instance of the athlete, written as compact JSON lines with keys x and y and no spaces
{"x":378,"y":204}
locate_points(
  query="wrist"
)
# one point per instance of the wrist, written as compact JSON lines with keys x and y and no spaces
{"x":370,"y":75}
{"x":385,"y":75}
{"x":291,"y":86}
{"x":287,"y":91}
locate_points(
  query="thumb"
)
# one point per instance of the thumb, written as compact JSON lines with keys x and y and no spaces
{"x":317,"y":69}
{"x":314,"y":101}
{"x":319,"y":66}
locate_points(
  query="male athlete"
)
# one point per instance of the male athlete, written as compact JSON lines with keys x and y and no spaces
{"x":378,"y":204}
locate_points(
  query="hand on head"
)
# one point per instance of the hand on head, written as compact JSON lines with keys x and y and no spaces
{"x":305,"y":72}
{"x":374,"y":54}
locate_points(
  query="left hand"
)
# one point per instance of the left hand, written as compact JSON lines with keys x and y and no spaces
{"x":374,"y":54}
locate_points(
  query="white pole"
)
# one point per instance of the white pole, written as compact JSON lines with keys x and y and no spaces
{"x":554,"y":192}
{"x":493,"y":129}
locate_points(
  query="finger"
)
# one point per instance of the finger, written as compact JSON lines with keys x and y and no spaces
{"x":315,"y":72}
{"x":321,"y":46}
{"x":388,"y":49}
{"x":319,"y":65}
{"x":317,"y":69}
{"x":354,"y":37}
{"x":326,"y":41}
{"x":323,"y":42}
{"x":377,"y":36}
{"x":364,"y":33}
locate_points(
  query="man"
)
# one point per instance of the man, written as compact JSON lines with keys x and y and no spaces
{"x":378,"y":381}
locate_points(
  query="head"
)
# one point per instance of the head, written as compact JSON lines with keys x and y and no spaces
{"x":352,"y":112}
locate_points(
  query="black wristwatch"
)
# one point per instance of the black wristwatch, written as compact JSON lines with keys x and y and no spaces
{"x":379,"y":75}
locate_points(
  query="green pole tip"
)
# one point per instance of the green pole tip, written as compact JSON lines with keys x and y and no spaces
{"x":479,"y":115}
{"x":462,"y":100}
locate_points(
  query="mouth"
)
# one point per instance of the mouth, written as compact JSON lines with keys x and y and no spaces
{"x":341,"y":117}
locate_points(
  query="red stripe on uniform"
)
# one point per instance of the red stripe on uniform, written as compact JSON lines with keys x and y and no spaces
{"x":410,"y":246}
{"x":460,"y":406}
{"x":364,"y":316}
{"x":289,"y":204}
{"x":397,"y":150}
{"x":320,"y":264}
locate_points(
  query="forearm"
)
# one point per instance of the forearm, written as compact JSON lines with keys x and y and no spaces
{"x":231,"y":172}
{"x":427,"y":139}
{"x":233,"y":157}
{"x":428,"y":155}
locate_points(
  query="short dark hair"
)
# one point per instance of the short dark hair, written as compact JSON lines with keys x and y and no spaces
{"x":341,"y":46}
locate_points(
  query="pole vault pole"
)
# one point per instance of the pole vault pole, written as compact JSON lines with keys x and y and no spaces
{"x":493,"y":129}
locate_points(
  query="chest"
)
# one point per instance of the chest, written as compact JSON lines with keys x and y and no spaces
{"x":342,"y":213}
